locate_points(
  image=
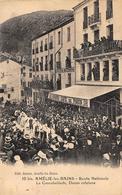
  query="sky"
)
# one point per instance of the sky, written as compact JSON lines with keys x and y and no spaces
{"x":12,"y":8}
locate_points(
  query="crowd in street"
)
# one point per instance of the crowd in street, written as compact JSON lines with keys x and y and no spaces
{"x":58,"y":133}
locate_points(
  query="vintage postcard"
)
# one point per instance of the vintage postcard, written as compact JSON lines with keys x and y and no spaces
{"x":61,"y":97}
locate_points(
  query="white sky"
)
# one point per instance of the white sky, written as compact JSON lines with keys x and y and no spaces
{"x":12,"y":8}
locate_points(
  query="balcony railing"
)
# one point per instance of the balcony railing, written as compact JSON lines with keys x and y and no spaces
{"x":68,"y":69}
{"x":39,"y":84}
{"x":109,"y":14}
{"x":98,"y":48}
{"x":93,"y":19}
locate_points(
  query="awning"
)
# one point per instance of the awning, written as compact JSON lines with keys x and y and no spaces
{"x":79,"y":94}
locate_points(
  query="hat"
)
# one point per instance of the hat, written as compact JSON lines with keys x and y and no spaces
{"x":89,"y":142}
{"x":26,"y":136}
{"x":17,"y":157}
{"x":41,"y":155}
{"x":106,"y":156}
{"x":70,"y":145}
{"x":59,"y":139}
{"x":8,"y":139}
{"x":66,"y":130}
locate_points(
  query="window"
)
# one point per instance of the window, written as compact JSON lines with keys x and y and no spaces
{"x":69,"y":79}
{"x":41,"y":46}
{"x":46,"y":63}
{"x":115,"y":70}
{"x":110,"y":32}
{"x":85,"y":17}
{"x":24,"y":84}
{"x":96,"y":35}
{"x":68,"y":59}
{"x":9,"y":96}
{"x":51,"y":42}
{"x":96,"y":71}
{"x":96,"y":9}
{"x":37,"y":68}
{"x":42,"y":77}
{"x":51,"y":61}
{"x":46,"y":77}
{"x":59,"y":60}
{"x":82,"y":72}
{"x":22,"y":93}
{"x":29,"y":84}
{"x":30,"y":75}
{"x":33,"y":62}
{"x":45,"y":44}
{"x":85,"y":38}
{"x":24,"y":74}
{"x":109,"y":11}
{"x":37,"y":60}
{"x":69,"y":53}
{"x":59,"y":82}
{"x":59,"y":37}
{"x":89,"y":73}
{"x":106,"y":71}
{"x":68,"y":34}
{"x":41,"y":64}
{"x":37,"y":50}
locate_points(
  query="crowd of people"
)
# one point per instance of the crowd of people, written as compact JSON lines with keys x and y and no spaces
{"x":58,"y":133}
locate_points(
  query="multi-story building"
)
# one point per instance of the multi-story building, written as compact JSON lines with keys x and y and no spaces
{"x":98,"y":57}
{"x":10,"y":82}
{"x":15,"y":80}
{"x":98,"y":53}
{"x":26,"y":80}
{"x":52,"y":59}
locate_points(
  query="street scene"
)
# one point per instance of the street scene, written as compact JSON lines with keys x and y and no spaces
{"x":61,"y":86}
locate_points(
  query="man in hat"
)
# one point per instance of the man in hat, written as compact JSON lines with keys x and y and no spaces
{"x":9,"y":147}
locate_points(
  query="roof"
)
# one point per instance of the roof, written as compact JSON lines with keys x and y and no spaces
{"x":84,"y":92}
{"x":56,"y":27}
{"x":80,"y":4}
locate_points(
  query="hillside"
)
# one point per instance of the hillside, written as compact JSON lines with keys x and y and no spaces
{"x":16,"y":33}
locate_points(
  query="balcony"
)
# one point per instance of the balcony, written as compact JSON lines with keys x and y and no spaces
{"x":39,"y":84}
{"x":51,"y":65}
{"x":101,"y":47}
{"x":68,"y":69}
{"x":109,"y":14}
{"x":46,"y":67}
{"x":94,"y":19}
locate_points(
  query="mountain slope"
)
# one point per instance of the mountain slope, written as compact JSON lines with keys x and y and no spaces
{"x":16,"y":33}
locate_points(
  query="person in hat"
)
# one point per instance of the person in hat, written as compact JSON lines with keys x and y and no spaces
{"x":9,"y":147}
{"x":18,"y":161}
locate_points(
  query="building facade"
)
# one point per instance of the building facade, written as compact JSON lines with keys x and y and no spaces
{"x":15,"y":80}
{"x":10,"y":82}
{"x":26,"y":80}
{"x":98,"y":49}
{"x":52,"y":59}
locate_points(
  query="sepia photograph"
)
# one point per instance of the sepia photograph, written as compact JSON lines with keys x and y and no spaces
{"x":61,"y":97}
